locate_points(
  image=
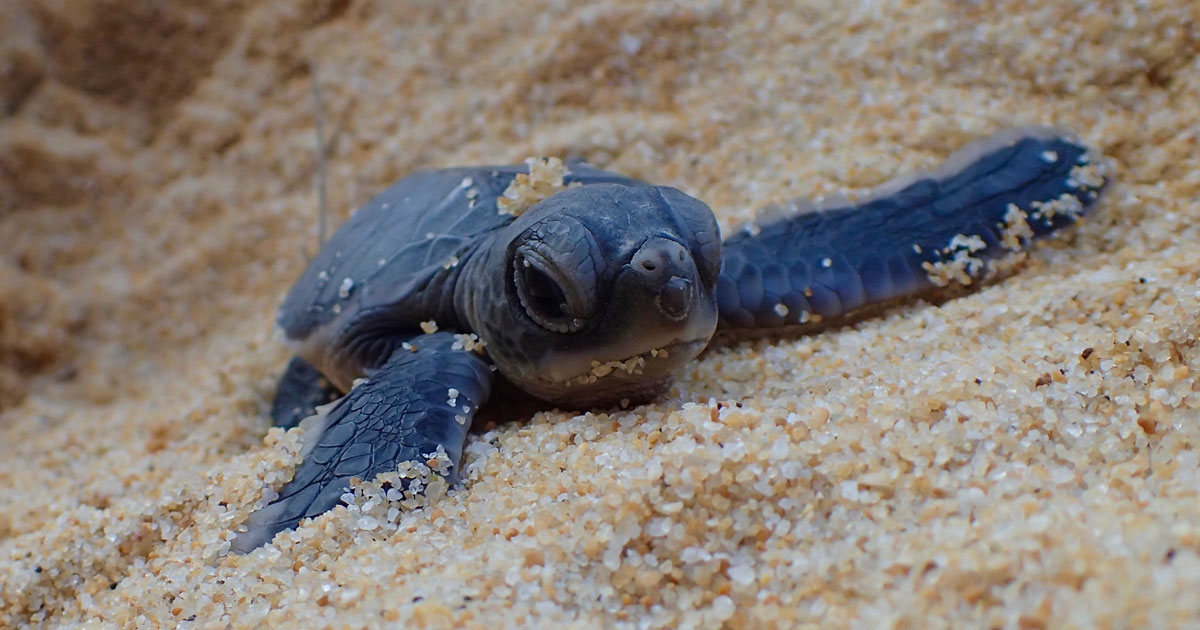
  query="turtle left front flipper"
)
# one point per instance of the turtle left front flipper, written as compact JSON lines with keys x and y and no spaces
{"x":921,"y":235}
{"x":418,"y":403}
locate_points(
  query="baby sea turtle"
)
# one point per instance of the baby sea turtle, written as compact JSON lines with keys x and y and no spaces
{"x":604,"y":285}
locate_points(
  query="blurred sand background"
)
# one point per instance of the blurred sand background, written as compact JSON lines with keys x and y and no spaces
{"x":1025,"y":457}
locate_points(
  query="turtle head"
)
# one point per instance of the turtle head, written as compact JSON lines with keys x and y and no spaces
{"x":598,"y":292}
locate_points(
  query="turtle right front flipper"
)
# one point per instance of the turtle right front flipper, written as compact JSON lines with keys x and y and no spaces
{"x":419,"y":403}
{"x":939,"y":231}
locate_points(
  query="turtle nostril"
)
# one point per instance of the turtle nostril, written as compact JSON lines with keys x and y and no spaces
{"x":675,"y":298}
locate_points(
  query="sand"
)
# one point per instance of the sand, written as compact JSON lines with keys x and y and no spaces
{"x":1022,"y":457}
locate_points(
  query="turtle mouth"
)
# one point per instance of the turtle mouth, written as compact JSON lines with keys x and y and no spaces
{"x":649,"y":364}
{"x":635,"y":378}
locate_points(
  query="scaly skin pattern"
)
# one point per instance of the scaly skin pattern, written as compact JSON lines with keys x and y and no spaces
{"x":957,"y":226}
{"x":416,"y":408}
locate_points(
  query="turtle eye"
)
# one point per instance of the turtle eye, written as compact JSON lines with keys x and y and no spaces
{"x":543,"y":297}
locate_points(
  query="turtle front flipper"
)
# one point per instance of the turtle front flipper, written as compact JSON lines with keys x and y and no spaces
{"x":418,"y":404}
{"x":300,"y":391}
{"x":920,"y":235}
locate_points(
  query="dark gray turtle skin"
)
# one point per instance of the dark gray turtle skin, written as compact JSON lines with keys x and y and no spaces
{"x":597,"y":293}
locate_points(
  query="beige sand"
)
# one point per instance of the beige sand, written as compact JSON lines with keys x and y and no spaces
{"x":1025,"y":457}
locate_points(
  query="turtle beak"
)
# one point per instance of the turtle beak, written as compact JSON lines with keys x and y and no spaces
{"x":666,"y":270}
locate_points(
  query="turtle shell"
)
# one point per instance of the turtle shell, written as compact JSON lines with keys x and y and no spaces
{"x":394,"y":264}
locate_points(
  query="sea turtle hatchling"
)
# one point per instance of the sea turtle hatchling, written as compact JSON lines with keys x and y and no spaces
{"x":597,"y":291}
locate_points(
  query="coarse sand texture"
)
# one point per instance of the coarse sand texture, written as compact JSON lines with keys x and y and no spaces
{"x":1022,"y":457}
